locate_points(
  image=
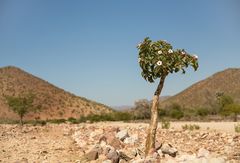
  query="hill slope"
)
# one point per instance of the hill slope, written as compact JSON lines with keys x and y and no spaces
{"x":55,"y":102}
{"x":203,"y":93}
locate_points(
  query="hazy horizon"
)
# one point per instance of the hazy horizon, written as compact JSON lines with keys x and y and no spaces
{"x":89,"y":48}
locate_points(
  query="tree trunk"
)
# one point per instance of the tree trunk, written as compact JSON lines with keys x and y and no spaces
{"x":21,"y":120}
{"x":235,"y":117}
{"x":151,"y":135}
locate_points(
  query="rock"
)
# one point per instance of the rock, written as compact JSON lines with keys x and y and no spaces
{"x":123,"y":161}
{"x":103,"y":139}
{"x":131,"y":140}
{"x":123,"y":156}
{"x":150,"y":159}
{"x":160,"y":153}
{"x":113,"y":156}
{"x":138,"y":161}
{"x":168,"y":149}
{"x":202,"y":153}
{"x":230,"y":140}
{"x":43,"y":152}
{"x":140,"y":152}
{"x":116,"y":143}
{"x":158,"y":146}
{"x":131,"y":153}
{"x":108,"y":137}
{"x":107,"y":161}
{"x":24,"y":160}
{"x":155,"y":155}
{"x":92,"y":155}
{"x":106,"y":149}
{"x":122,"y":135}
{"x":103,"y":143}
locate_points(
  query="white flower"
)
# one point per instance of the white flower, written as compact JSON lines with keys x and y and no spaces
{"x":159,"y":63}
{"x":170,"y":51}
{"x":183,"y":52}
{"x":160,"y":52}
{"x":139,"y":60}
{"x":195,"y":56}
{"x":139,"y":44}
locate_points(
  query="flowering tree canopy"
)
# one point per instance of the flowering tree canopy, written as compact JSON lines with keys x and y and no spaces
{"x":158,"y":59}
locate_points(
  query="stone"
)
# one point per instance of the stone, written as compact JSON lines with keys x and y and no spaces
{"x":123,"y":156}
{"x":103,"y":139}
{"x":160,"y":153}
{"x":131,"y":140}
{"x":106,"y":149}
{"x":107,"y":161}
{"x":138,"y":161}
{"x":158,"y":146}
{"x":155,"y":155}
{"x":92,"y":155}
{"x":131,"y":153}
{"x":109,"y":137}
{"x":122,"y":135}
{"x":202,"y":153}
{"x":123,"y":161}
{"x":150,"y":159}
{"x":98,"y":148}
{"x":116,"y":143}
{"x":113,"y":156}
{"x":168,"y":149}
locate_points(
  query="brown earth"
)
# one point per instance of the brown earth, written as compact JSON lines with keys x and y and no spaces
{"x":55,"y":102}
{"x":71,"y":142}
{"x":203,"y":93}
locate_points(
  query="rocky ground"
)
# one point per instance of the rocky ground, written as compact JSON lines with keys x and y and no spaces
{"x":116,"y":142}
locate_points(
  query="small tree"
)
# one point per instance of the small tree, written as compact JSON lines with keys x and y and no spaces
{"x":223,"y":100}
{"x":21,"y":104}
{"x":141,"y":110}
{"x":232,"y":109}
{"x":157,"y":60}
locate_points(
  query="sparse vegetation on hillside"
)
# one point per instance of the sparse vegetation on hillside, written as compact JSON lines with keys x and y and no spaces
{"x":22,"y":105}
{"x":203,"y":93}
{"x":56,"y":103}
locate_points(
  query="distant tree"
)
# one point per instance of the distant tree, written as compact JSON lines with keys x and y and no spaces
{"x":157,"y":60}
{"x":232,"y":109}
{"x":224,"y":100}
{"x":22,"y":104}
{"x":141,"y":109}
{"x":227,"y":105}
{"x":202,"y":112}
{"x":175,"y":111}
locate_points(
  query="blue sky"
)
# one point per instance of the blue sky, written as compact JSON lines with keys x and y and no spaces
{"x":89,"y":47}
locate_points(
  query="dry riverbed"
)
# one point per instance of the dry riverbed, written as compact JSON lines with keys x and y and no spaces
{"x":118,"y":142}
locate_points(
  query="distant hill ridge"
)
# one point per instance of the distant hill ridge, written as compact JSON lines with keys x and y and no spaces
{"x":56,"y":103}
{"x":203,"y":93}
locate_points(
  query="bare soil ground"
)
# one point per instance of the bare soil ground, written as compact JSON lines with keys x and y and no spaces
{"x":56,"y":143}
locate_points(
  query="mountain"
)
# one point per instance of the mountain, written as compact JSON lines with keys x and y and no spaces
{"x":137,"y":103}
{"x":122,"y":108}
{"x":203,"y":93}
{"x":55,"y":102}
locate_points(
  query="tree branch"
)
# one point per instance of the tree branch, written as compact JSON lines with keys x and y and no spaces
{"x":160,"y":86}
